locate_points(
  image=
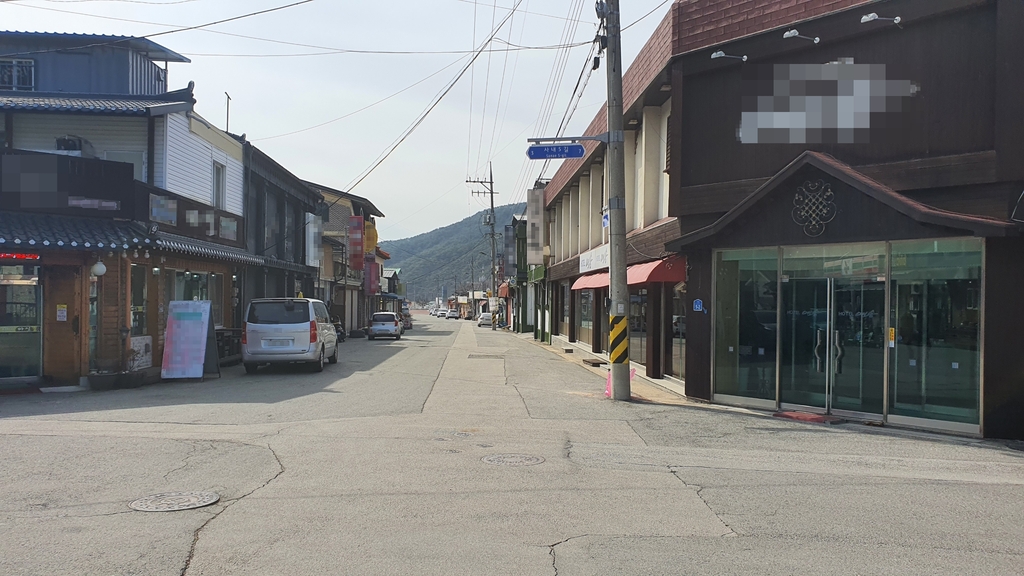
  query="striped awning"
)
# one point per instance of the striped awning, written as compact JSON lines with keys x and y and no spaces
{"x":193,"y":247}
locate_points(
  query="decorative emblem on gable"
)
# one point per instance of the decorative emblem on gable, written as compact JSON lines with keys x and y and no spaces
{"x":814,"y":206}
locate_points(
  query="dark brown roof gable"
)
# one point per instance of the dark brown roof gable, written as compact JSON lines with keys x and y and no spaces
{"x":977,"y":225}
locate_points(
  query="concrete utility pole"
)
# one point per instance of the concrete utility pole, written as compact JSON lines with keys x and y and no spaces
{"x":618,"y":315}
{"x":489,"y":185}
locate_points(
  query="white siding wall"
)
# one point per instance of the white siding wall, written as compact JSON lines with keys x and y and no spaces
{"x":190,"y":166}
{"x":105,"y":133}
{"x":160,"y":143}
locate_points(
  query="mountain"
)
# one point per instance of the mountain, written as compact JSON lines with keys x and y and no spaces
{"x":449,"y":257}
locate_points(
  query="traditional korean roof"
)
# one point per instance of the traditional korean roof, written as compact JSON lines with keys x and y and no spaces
{"x":103,"y":104}
{"x":193,"y":247}
{"x":26,"y":231}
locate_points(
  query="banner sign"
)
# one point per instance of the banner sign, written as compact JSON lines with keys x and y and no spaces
{"x":355,"y":242}
{"x":371,"y":274}
{"x":188,"y":322}
{"x":596,"y":259}
{"x":536,"y":227}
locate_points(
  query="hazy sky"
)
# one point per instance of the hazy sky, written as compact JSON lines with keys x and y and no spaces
{"x":487,"y":115}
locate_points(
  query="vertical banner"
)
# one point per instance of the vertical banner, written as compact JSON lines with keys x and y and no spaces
{"x":535,"y":226}
{"x":355,"y":242}
{"x":510,"y":251}
{"x":185,"y":341}
{"x":371,"y":275}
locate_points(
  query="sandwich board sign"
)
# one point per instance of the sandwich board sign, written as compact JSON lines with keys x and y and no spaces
{"x":188,"y":340}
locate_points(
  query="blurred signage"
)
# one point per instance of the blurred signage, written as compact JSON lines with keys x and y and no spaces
{"x":535,"y":226}
{"x":355,"y":242}
{"x":18,"y":256}
{"x":185,"y":340}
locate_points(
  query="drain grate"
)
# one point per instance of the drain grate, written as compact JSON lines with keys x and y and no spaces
{"x":174,"y":501}
{"x":485,"y":357}
{"x":512,"y":460}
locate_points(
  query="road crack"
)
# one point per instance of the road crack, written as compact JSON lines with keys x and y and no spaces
{"x":551,"y":550}
{"x":698,"y":489}
{"x":215,"y":515}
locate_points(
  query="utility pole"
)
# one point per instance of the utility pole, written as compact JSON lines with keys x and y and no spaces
{"x":618,"y":324}
{"x":489,"y":185}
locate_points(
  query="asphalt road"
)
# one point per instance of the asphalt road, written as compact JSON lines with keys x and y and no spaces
{"x":408,"y":457}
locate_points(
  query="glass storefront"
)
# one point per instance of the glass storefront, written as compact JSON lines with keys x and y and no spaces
{"x":585,"y":316}
{"x":677,"y":366}
{"x":21,"y":321}
{"x":935,"y":366}
{"x":638,"y":325}
{"x":837,"y":328}
{"x":566,"y":295}
{"x":746,"y":301}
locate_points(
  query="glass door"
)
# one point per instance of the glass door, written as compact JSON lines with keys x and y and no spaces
{"x":21,"y":321}
{"x":833,"y":328}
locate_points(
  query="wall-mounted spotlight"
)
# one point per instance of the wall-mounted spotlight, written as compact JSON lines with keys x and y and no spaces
{"x":873,"y":16}
{"x":794,"y":34}
{"x":721,"y":54}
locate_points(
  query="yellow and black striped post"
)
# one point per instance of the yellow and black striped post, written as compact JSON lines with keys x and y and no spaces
{"x":618,"y":340}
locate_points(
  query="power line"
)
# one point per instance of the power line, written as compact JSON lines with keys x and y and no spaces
{"x":423,"y":116}
{"x":155,"y":34}
{"x":367,"y":107}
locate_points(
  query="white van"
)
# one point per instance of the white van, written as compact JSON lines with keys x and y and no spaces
{"x":280,"y":330}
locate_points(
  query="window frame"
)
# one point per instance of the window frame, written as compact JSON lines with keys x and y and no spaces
{"x":219,"y":185}
{"x":15,"y":63}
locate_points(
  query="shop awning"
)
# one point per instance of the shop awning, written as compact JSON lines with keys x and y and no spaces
{"x":503,"y":290}
{"x":591,"y":281}
{"x":193,"y":247}
{"x":671,"y":269}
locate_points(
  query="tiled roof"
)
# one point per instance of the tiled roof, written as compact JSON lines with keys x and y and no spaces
{"x":83,"y":103}
{"x":193,"y":247}
{"x":38,"y":231}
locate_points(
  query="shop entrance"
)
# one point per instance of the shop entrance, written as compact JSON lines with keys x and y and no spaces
{"x":21,"y":324}
{"x":62,"y":323}
{"x":833,"y":329}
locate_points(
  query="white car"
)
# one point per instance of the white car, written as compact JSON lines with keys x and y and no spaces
{"x":386,"y":324}
{"x":453,"y":313}
{"x":441,"y":312}
{"x":484,"y":319}
{"x":281,"y":330}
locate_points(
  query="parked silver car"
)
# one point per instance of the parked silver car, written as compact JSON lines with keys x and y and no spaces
{"x":280,"y":330}
{"x":484,"y":319}
{"x":385,"y":324}
{"x":453,"y":313}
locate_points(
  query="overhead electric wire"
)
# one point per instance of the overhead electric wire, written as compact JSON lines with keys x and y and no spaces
{"x":155,"y":34}
{"x":423,"y":116}
{"x":367,"y":107}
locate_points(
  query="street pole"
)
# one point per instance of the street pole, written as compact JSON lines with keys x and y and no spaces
{"x":618,"y":322}
{"x":489,"y":185}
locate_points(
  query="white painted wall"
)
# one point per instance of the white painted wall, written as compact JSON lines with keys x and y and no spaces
{"x":39,"y":132}
{"x":190,"y":161}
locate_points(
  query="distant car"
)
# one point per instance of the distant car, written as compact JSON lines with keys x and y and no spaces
{"x":453,"y":313}
{"x":485,"y":318}
{"x":282,"y":330}
{"x":385,"y":324}
{"x":442,"y":312}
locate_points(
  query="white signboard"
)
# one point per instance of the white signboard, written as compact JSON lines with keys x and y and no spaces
{"x":188,"y":322}
{"x":595,"y":259}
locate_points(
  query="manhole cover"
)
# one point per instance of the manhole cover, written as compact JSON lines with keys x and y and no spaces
{"x":442,"y":439}
{"x":173,"y":501}
{"x":485,"y":357}
{"x":512,"y":460}
{"x":452,"y":451}
{"x":462,"y":434}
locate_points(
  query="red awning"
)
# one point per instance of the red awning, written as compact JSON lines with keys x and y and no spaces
{"x":503,"y":290}
{"x":671,"y":269}
{"x":591,"y":281}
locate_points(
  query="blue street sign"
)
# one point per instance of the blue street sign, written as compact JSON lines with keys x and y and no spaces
{"x":604,"y":220}
{"x":555,"y":151}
